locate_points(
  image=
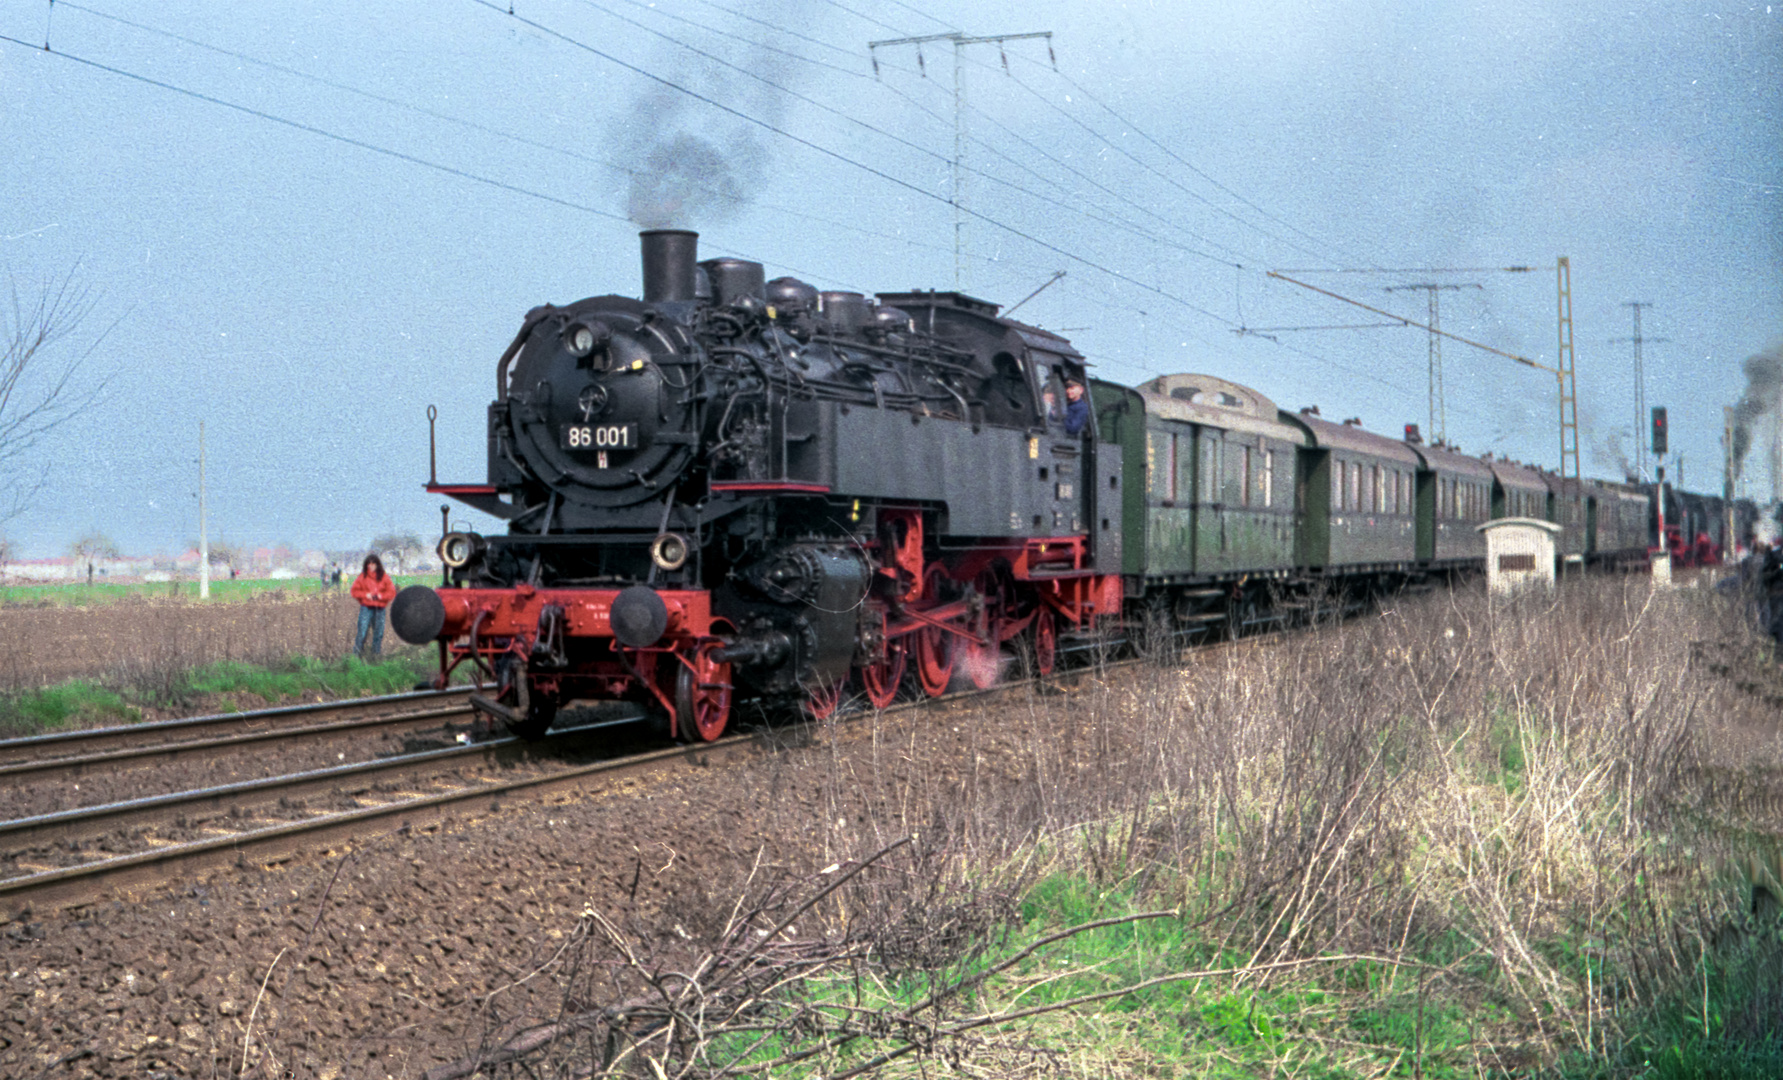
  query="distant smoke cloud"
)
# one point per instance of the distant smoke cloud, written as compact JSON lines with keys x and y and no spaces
{"x":686,"y":180}
{"x":1608,"y":452}
{"x":1764,"y":379}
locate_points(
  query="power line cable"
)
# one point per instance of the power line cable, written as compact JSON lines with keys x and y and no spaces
{"x":997,"y":151}
{"x":312,"y":129}
{"x":908,"y":144}
{"x":1124,"y":152}
{"x":557,"y":148}
{"x":570,"y":204}
{"x":1198,"y":171}
{"x":864,"y":18}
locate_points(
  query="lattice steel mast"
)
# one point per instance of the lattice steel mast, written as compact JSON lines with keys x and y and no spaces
{"x":959,"y":41}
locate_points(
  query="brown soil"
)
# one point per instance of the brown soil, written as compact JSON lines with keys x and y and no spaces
{"x":147,"y":640}
{"x":391,"y":958}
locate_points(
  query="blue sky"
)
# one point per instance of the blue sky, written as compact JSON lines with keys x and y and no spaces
{"x":305,"y":224}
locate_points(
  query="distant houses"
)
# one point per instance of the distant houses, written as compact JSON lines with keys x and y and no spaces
{"x":277,"y":563}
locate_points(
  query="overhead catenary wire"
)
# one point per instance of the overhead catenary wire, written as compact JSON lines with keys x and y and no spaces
{"x":1192,"y":167}
{"x":572,"y":204}
{"x":849,"y":117}
{"x":1075,"y":206}
{"x":559,"y":148}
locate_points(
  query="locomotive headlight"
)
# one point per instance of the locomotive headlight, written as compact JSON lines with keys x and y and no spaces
{"x":581,"y":339}
{"x":457,"y":549}
{"x":669,"y":551}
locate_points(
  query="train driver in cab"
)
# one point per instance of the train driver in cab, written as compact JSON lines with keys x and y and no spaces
{"x":1077,"y":408}
{"x":1074,"y":415}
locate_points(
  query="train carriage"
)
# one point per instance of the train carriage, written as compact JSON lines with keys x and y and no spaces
{"x":1619,"y":514}
{"x":1358,"y":499}
{"x":1566,"y":508}
{"x":1219,"y":498}
{"x":1454,"y":496}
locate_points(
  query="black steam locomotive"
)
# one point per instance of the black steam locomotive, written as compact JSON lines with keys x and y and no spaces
{"x":739,"y":486}
{"x":747,"y":488}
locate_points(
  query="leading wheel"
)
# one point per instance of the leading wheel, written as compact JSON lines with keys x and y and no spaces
{"x":702,"y":696}
{"x":883,"y":678}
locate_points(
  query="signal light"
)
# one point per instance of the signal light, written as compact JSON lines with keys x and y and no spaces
{"x":1659,"y":431}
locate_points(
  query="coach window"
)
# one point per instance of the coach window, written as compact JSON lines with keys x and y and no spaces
{"x":1269,"y":478}
{"x":1245,"y":480}
{"x":1356,"y":485}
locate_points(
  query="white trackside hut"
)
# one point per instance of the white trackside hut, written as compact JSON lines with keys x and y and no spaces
{"x":1519,"y":553}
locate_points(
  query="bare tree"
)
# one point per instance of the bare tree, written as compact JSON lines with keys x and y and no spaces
{"x":397,"y":547}
{"x":95,"y":545}
{"x":40,"y":389}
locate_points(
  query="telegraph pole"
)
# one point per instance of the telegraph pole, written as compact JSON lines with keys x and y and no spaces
{"x":203,"y":535}
{"x":1438,"y":412}
{"x":960,"y":42}
{"x":1640,"y":388}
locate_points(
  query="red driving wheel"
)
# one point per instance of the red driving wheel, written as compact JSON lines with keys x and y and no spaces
{"x":982,"y":657}
{"x":702,"y":695}
{"x":883,"y":677}
{"x":934,"y":646}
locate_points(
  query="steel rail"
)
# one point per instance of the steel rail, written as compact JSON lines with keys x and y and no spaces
{"x":73,"y":886}
{"x":205,"y":804}
{"x":100,"y":739}
{"x":161,"y":753}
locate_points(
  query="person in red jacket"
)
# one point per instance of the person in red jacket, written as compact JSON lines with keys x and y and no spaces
{"x":374,"y":590}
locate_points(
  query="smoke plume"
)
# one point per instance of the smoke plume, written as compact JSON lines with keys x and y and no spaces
{"x":1764,"y":379}
{"x":686,"y":164}
{"x":688,"y":180}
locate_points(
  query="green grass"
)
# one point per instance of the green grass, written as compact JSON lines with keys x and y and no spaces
{"x":1346,"y":1019}
{"x":83,"y":703}
{"x":79,"y":701}
{"x":225,"y":591}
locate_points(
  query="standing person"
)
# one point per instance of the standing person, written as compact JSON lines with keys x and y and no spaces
{"x":374,"y":590}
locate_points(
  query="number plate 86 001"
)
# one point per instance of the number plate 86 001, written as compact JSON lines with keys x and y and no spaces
{"x":591,"y":437}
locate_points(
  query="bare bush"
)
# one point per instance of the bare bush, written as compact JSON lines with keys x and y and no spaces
{"x":1508,"y":801}
{"x":151,"y":642}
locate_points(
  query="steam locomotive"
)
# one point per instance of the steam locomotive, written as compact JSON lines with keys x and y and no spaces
{"x":741,"y":489}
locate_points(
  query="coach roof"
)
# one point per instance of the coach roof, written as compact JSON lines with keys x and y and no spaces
{"x":1219,"y":403}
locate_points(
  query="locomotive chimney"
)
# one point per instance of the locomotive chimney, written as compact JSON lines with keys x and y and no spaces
{"x":669,"y":264}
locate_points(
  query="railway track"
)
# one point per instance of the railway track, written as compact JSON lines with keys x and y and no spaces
{"x":71,"y":857}
{"x":89,"y":744}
